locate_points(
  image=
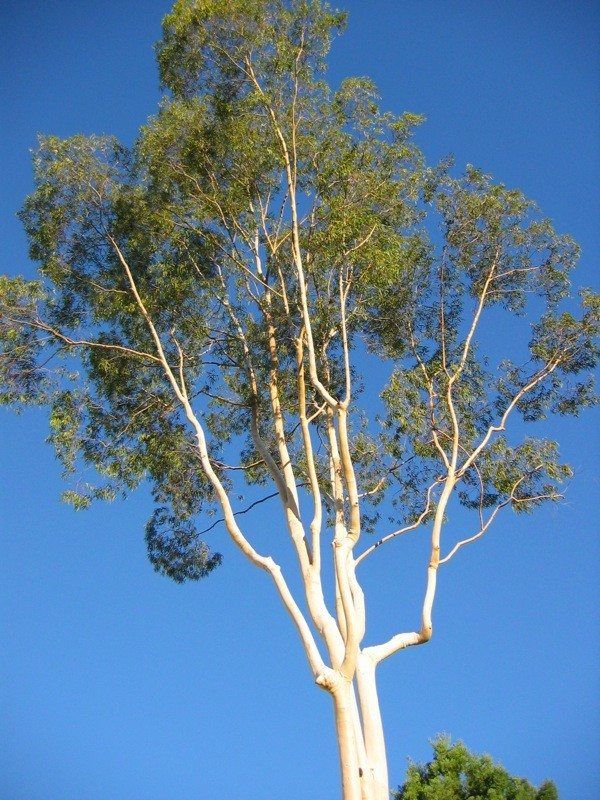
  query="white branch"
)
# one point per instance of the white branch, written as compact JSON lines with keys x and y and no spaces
{"x":405,"y":529}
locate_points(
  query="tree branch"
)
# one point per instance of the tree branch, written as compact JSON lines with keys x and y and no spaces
{"x":422,"y":516}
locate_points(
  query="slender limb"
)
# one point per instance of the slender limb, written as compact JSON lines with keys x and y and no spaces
{"x":61,"y":337}
{"x":477,"y":315}
{"x":443,"y":310}
{"x":343,"y":297}
{"x":349,"y":475}
{"x":342,"y":421}
{"x":532,"y":383}
{"x":365,"y":240}
{"x":296,"y":249}
{"x":316,"y":523}
{"x":458,"y":372}
{"x":276,"y":473}
{"x":431,"y":396}
{"x":422,"y":516}
{"x":473,"y":538}
{"x":402,"y":640}
{"x":286,"y":463}
{"x":239,"y":513}
{"x":512,"y":499}
{"x":266,"y":563}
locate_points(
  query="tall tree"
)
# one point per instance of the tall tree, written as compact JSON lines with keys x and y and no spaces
{"x":219,"y":306}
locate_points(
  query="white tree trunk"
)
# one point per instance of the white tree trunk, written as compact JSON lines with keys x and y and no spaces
{"x":372,"y":727}
{"x":361,"y":743}
{"x":343,"y":701}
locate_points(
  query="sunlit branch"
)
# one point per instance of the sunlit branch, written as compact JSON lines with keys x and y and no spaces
{"x":316,"y":523}
{"x":263,"y":450}
{"x":343,"y":298}
{"x":349,"y":475}
{"x":476,"y":317}
{"x":443,"y":313}
{"x":224,"y":400}
{"x":544,"y":373}
{"x":266,"y":563}
{"x":430,"y":401}
{"x":365,"y":240}
{"x":181,"y":364}
{"x":407,"y":528}
{"x":295,"y":243}
{"x":512,"y":499}
{"x":476,"y":536}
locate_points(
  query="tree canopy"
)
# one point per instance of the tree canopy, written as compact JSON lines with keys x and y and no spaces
{"x":261,"y":221}
{"x":456,"y":774}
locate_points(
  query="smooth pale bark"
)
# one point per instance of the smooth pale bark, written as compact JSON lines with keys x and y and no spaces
{"x":372,"y":726}
{"x":348,"y":753}
{"x":361,"y":744}
{"x":364,"y":768}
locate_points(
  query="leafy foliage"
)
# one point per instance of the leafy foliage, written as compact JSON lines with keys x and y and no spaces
{"x":266,"y":232}
{"x":175,"y":549}
{"x":456,"y":774}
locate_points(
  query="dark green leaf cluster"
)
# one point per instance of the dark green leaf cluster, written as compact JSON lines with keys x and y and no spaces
{"x":175,"y":549}
{"x":204,"y":41}
{"x":23,"y":378}
{"x":456,"y":774}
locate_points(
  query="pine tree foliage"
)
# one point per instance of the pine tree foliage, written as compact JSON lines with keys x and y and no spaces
{"x":456,"y":774}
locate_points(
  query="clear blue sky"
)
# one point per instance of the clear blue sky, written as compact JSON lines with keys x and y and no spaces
{"x":119,"y":685}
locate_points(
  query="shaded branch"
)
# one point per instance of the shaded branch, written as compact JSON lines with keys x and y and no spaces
{"x":239,"y":513}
